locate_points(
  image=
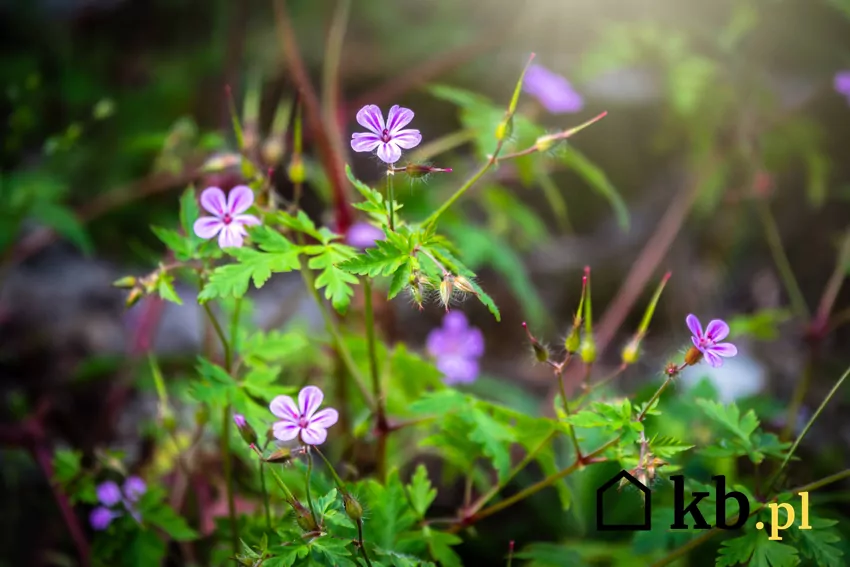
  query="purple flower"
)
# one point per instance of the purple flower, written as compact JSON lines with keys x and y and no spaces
{"x":707,"y":343}
{"x":303,"y":419}
{"x":108,"y":493}
{"x":239,"y":420}
{"x":457,"y":348}
{"x":842,"y":83}
{"x":388,"y":138}
{"x":551,"y":90}
{"x":134,"y":488}
{"x":101,"y":517}
{"x":228,"y":220}
{"x":363,"y":235}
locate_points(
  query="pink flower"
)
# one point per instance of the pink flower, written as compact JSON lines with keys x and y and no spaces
{"x":842,"y":83}
{"x":456,"y":347}
{"x":303,"y":419}
{"x":552,"y":91}
{"x":388,"y":138}
{"x":228,"y":220}
{"x":363,"y":235}
{"x":707,"y":343}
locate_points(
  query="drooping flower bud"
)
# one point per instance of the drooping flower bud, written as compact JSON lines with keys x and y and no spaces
{"x":245,"y":430}
{"x":282,"y":455}
{"x":541,"y":353}
{"x":352,"y":507}
{"x":464,"y":285}
{"x":303,"y":517}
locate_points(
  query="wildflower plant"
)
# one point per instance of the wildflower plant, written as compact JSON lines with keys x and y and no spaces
{"x":289,"y":407}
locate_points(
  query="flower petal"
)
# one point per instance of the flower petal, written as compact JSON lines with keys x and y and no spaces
{"x":397,"y":118}
{"x":284,"y":407}
{"x":309,"y":400}
{"x":473,"y":345}
{"x":285,"y":431}
{"x":134,"y":488}
{"x":455,"y":322}
{"x":713,"y":359}
{"x":207,"y":227}
{"x":231,"y":236}
{"x":324,"y":418}
{"x":314,"y":435}
{"x":717,"y":330}
{"x":437,"y":342}
{"x":364,"y":142}
{"x":694,"y":325}
{"x":101,"y":517}
{"x":389,"y":152}
{"x":725,"y":349}
{"x":239,"y":199}
{"x":696,"y":343}
{"x":457,"y":369}
{"x":371,"y":118}
{"x":214,"y":201}
{"x":246,"y":220}
{"x":108,"y":493}
{"x":407,"y":138}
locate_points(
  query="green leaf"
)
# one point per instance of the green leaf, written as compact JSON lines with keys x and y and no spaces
{"x":494,"y":438}
{"x":165,"y":518}
{"x":174,"y":241}
{"x":145,"y":549}
{"x":549,"y":555}
{"x":762,"y":325}
{"x":422,"y":494}
{"x":440,"y":403}
{"x":598,"y":181}
{"x":389,"y":514}
{"x":278,"y":255}
{"x":165,"y":287}
{"x":214,"y":384}
{"x":729,"y":416}
{"x":303,"y":224}
{"x":291,"y":347}
{"x":374,"y":204}
{"x":384,"y":259}
{"x":401,"y":278}
{"x":335,"y":281}
{"x":666,"y":447}
{"x":64,"y":222}
{"x":67,"y":465}
{"x":756,"y":550}
{"x":817,"y":543}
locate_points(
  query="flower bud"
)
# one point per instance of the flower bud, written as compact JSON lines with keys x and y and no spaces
{"x":352,"y":507}
{"x":296,"y":169}
{"x":282,"y":455}
{"x":127,"y":282}
{"x":693,"y":356}
{"x":541,"y":353}
{"x":464,"y":285}
{"x":631,"y":351}
{"x":133,"y":297}
{"x":546,"y":143}
{"x":418,"y":171}
{"x":587,"y":350}
{"x":245,"y":430}
{"x":221,"y":162}
{"x":505,"y":128}
{"x":446,"y":290}
{"x":303,"y":517}
{"x":272,"y":151}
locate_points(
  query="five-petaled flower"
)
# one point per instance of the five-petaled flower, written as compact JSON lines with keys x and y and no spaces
{"x":363,"y":235}
{"x":552,"y":91}
{"x":228,"y":220}
{"x":302,"y":419}
{"x":708,"y":342}
{"x":842,"y":84}
{"x":110,"y":495}
{"x":389,"y":138}
{"x":457,"y":347}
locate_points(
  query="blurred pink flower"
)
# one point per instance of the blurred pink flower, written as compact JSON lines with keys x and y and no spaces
{"x":552,"y":91}
{"x":363,"y":235}
{"x":842,"y":83}
{"x":456,"y":347}
{"x":389,"y":138}
{"x":228,"y":220}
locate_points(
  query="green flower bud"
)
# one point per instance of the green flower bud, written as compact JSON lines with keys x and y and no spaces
{"x":303,"y":517}
{"x":352,"y":507}
{"x":127,"y":282}
{"x":296,"y":171}
{"x":133,"y":297}
{"x":587,"y":350}
{"x":631,"y":352}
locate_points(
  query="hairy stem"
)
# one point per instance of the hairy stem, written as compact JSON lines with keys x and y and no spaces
{"x":307,"y":487}
{"x":360,"y":543}
{"x":560,"y":373}
{"x":391,"y":199}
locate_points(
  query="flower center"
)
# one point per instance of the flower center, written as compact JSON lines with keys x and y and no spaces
{"x":706,"y":342}
{"x":303,"y":422}
{"x":385,"y":136}
{"x":227,"y":219}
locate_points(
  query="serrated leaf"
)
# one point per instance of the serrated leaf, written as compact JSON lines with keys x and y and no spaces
{"x":493,"y":437}
{"x":174,"y":241}
{"x":401,"y":278}
{"x":166,"y":290}
{"x":420,"y":490}
{"x":666,"y":447}
{"x":304,"y":224}
{"x":165,"y":518}
{"x":335,"y":281}
{"x":729,"y":416}
{"x":549,"y":555}
{"x":381,"y":260}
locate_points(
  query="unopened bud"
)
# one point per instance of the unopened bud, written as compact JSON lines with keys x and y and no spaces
{"x":221,"y":162}
{"x":272,"y":151}
{"x":133,"y":297}
{"x":505,"y":128}
{"x":573,"y":340}
{"x":296,"y":169}
{"x":282,"y":455}
{"x":693,"y":356}
{"x":352,"y":507}
{"x":546,"y":143}
{"x":245,"y":430}
{"x":541,"y":353}
{"x":417,"y":171}
{"x":587,"y":350}
{"x":464,"y":285}
{"x":631,"y":351}
{"x":446,"y":290}
{"x":303,"y":517}
{"x":126,"y":282}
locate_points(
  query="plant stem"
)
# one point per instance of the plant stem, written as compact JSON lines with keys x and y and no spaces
{"x":228,"y":357}
{"x":343,"y":351}
{"x":655,"y":396}
{"x":376,"y":379}
{"x":463,"y":189}
{"x":265,"y":495}
{"x":808,"y":426}
{"x":534,"y":488}
{"x":360,"y":543}
{"x":391,"y":198}
{"x":307,"y":487}
{"x":833,"y":286}
{"x":560,"y":373}
{"x":774,"y":242}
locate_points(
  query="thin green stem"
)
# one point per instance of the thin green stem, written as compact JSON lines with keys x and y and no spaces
{"x":228,"y":476}
{"x":343,"y":351}
{"x":391,"y":199}
{"x":360,"y":543}
{"x":307,"y":487}
{"x":228,"y":357}
{"x":376,"y":378}
{"x":808,"y":426}
{"x":570,"y":428}
{"x":265,"y":495}
{"x":234,"y":328}
{"x":799,"y":395}
{"x":535,"y":488}
{"x":460,"y":192}
{"x":774,"y":242}
{"x":656,"y":395}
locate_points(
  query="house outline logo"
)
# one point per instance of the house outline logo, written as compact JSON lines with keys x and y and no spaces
{"x":647,"y":509}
